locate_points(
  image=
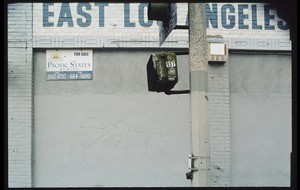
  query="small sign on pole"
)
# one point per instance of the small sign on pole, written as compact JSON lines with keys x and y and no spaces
{"x":165,"y":28}
{"x":166,"y":15}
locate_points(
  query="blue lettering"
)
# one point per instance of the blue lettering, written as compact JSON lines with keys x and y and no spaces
{"x":187,"y":20}
{"x":281,"y":24}
{"x":46,"y":15}
{"x":242,"y":16}
{"x":127,"y":22}
{"x":212,"y":15}
{"x":65,"y":15}
{"x":230,"y":17}
{"x":141,"y":16}
{"x":50,"y":64}
{"x":268,"y":17}
{"x":101,"y":13}
{"x":231,"y":14}
{"x":87,"y":16}
{"x":254,"y":18}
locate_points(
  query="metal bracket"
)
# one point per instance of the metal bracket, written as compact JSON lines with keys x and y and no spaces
{"x":177,"y":92}
{"x":181,"y":52}
{"x":192,"y":158}
{"x":181,"y":27}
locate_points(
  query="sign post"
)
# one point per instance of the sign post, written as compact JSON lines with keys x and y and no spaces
{"x":166,"y":15}
{"x":199,"y":158}
{"x":165,"y":28}
{"x":198,"y":56}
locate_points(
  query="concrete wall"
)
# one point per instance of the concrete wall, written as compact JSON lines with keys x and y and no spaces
{"x":219,"y":123}
{"x":109,"y":131}
{"x":20,"y":94}
{"x":118,"y":98}
{"x":21,"y":14}
{"x":260,"y":99}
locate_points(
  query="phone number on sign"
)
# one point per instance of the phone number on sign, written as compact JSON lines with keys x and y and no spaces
{"x":79,"y":76}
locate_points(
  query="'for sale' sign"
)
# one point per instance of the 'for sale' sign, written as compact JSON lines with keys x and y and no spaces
{"x":69,"y":64}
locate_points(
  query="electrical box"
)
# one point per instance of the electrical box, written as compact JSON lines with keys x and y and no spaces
{"x":162,"y":73}
{"x":217,"y":53}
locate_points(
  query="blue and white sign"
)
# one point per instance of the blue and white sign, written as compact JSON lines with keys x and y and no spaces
{"x":125,"y":25}
{"x":69,"y":65}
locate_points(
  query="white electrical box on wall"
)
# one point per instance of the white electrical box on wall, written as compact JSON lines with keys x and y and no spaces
{"x":217,"y":52}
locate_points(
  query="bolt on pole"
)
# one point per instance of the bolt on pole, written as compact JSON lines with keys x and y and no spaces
{"x":198,"y":55}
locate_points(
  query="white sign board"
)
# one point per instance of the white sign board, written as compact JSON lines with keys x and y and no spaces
{"x":217,"y":49}
{"x":242,"y":25}
{"x":69,"y":64}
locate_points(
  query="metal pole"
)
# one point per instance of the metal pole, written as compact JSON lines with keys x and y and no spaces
{"x":199,"y":86}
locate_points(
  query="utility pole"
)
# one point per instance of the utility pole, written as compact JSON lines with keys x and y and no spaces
{"x":199,"y":158}
{"x":198,"y":55}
